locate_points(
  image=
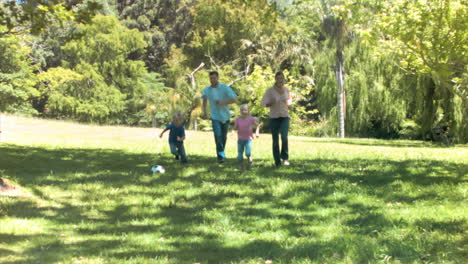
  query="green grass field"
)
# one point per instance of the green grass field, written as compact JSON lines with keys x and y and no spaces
{"x":93,"y":199}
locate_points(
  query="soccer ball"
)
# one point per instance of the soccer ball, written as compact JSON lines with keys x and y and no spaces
{"x":158,"y":169}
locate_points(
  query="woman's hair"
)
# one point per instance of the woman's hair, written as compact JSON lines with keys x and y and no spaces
{"x":279,"y":73}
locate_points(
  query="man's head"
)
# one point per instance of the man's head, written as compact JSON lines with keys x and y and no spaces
{"x":214,"y":76}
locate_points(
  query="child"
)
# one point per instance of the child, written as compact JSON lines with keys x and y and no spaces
{"x":176,"y":137}
{"x":243,"y":124}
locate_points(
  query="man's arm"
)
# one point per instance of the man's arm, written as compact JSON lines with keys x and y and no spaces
{"x":226,"y":102}
{"x":228,"y":93}
{"x":235,"y":127}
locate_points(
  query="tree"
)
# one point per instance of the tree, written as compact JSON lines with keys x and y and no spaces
{"x":221,"y":29}
{"x":431,"y":39}
{"x":17,"y":78}
{"x":107,"y":86}
{"x":336,"y":28}
{"x":165,"y":24}
{"x":36,"y":15}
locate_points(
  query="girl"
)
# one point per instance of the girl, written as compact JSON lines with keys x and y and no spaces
{"x":244,"y":124}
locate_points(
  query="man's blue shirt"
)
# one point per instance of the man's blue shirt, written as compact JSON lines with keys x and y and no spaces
{"x":222,"y":92}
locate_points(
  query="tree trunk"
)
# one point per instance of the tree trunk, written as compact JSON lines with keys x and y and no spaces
{"x":429,"y":110}
{"x":339,"y":73}
{"x":193,"y":85}
{"x":195,"y":124}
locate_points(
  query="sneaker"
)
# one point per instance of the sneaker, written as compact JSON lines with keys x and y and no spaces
{"x":221,"y":160}
{"x":286,"y":163}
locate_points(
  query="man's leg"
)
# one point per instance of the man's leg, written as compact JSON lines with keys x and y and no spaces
{"x":225,"y":130}
{"x":218,"y":135}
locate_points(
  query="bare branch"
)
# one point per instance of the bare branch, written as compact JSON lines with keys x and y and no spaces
{"x":246,"y":72}
{"x":191,"y":75}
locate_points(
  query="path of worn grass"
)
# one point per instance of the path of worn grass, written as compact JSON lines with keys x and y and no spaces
{"x":343,"y":201}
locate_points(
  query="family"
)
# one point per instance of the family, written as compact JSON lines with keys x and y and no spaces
{"x":277,"y":98}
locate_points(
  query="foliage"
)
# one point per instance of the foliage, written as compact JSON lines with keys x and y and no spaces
{"x":155,"y":98}
{"x":112,"y":82}
{"x":220,"y":29}
{"x":406,"y":61}
{"x":431,"y":37}
{"x":17,"y":78}
{"x":165,"y":25}
{"x":377,"y":99}
{"x":81,"y":95}
{"x":36,"y":15}
{"x":251,"y":90}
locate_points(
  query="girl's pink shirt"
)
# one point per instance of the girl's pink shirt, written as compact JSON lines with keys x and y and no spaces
{"x":244,"y":127}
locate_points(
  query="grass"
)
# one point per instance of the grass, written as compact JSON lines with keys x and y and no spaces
{"x":94,"y":200}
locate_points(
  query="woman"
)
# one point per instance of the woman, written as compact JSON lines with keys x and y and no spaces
{"x":278,"y":99}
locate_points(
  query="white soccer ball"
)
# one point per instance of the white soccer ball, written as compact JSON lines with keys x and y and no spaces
{"x":158,"y":169}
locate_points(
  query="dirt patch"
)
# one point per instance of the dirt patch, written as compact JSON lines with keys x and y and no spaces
{"x":9,"y":189}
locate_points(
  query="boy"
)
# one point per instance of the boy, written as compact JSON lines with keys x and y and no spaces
{"x":176,"y":137}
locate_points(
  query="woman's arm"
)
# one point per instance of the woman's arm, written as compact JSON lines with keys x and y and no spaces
{"x":289,"y":101}
{"x":267,"y":99}
{"x":257,"y":130}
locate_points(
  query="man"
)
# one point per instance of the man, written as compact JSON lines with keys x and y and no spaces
{"x":220,"y":97}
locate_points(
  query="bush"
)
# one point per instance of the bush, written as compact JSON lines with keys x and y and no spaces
{"x":319,"y":128}
{"x":409,"y":129}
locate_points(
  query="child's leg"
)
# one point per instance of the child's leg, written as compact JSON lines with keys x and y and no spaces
{"x":173,"y":148}
{"x":240,"y":150}
{"x":183,"y":156}
{"x":248,"y":150}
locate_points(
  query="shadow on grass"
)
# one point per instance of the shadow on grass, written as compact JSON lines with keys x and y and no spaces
{"x":192,"y":227}
{"x":380,"y":143}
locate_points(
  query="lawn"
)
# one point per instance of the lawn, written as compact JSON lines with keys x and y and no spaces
{"x":92,"y":199}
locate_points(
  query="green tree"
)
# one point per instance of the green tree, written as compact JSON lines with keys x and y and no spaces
{"x":378,"y":91}
{"x":221,"y":30}
{"x":431,"y":38}
{"x":36,"y":15}
{"x":17,"y":78}
{"x":165,"y":24}
{"x":112,"y":88}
